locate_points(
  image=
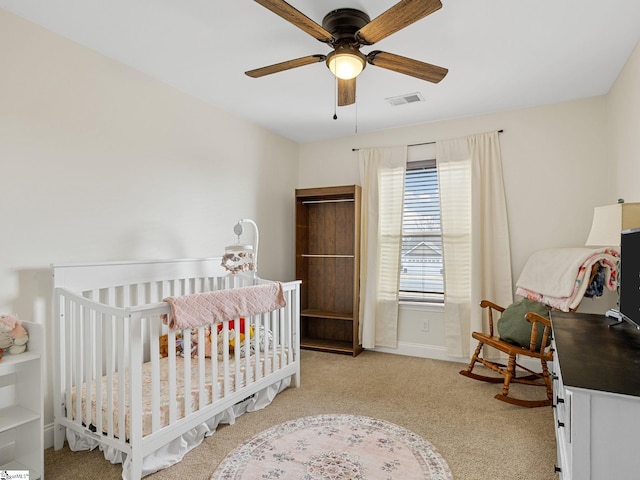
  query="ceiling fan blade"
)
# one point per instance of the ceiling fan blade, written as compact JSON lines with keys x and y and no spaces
{"x":297,"y":18}
{"x":279,"y":67}
{"x":408,"y":66}
{"x":401,"y":15}
{"x":346,"y":92}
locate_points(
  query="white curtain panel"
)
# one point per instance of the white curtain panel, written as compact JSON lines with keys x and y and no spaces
{"x":382,"y":180}
{"x":475,"y":235}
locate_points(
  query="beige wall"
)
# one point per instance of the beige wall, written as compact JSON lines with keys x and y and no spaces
{"x":99,"y":163}
{"x":623,"y":116}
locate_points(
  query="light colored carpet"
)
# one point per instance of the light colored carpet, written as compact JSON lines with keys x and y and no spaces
{"x":481,"y":438}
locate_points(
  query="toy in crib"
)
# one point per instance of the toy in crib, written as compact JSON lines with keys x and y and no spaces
{"x":220,"y":339}
{"x":164,"y":340}
{"x":13,"y":336}
{"x":164,"y":345}
{"x":233,"y":335}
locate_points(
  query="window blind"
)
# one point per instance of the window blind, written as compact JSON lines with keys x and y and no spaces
{"x":421,"y":267}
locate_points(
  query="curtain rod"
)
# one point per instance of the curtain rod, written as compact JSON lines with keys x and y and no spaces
{"x":416,"y":144}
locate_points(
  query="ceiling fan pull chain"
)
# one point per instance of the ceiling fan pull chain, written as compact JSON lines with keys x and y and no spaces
{"x":356,"y":132}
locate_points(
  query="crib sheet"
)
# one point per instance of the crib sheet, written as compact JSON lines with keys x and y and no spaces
{"x":267,"y":364}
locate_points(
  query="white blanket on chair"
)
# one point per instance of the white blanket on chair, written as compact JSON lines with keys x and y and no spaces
{"x":189,"y":311}
{"x":553,"y":271}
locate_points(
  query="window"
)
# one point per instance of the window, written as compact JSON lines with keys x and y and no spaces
{"x":421,"y":266}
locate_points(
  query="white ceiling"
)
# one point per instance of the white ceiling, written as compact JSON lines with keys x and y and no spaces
{"x":501,"y":54}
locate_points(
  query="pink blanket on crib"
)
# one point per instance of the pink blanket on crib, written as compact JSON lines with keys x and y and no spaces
{"x":190,"y":311}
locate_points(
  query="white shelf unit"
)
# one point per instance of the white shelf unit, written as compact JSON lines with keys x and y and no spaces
{"x":21,"y":408}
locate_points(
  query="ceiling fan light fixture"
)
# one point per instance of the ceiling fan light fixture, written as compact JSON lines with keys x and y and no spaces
{"x":346,"y":62}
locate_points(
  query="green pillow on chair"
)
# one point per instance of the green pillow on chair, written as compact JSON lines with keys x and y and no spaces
{"x":515,"y":329}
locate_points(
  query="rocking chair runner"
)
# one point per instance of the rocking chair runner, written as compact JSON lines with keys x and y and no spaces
{"x":543,"y":353}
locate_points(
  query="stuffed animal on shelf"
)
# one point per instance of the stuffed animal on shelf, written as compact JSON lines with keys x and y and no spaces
{"x":13,"y":336}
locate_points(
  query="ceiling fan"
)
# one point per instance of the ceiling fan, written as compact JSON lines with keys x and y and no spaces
{"x":348,"y":29}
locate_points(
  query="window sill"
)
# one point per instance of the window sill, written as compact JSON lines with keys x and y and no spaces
{"x":422,"y":306}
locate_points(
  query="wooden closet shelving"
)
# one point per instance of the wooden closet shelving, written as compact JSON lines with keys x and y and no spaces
{"x":328,"y":263}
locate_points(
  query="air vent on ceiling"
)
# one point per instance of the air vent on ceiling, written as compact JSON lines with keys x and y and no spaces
{"x":404,"y":99}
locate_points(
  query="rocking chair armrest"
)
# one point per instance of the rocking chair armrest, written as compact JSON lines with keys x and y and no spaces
{"x":536,"y":319}
{"x":491,"y":306}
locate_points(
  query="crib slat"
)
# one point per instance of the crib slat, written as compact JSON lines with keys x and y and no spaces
{"x":135,"y":362}
{"x":225,"y":359}
{"x":276,"y":320}
{"x":154,"y":335}
{"x":289,"y":324}
{"x":247,"y":350}
{"x":68,"y":358}
{"x":236,"y":356}
{"x":202,"y":348}
{"x":126,"y":296}
{"x":172,"y":377}
{"x":283,"y":337}
{"x":186,"y":338}
{"x":77,"y":351}
{"x":87,"y":342}
{"x":121,"y":328}
{"x":110,"y":367}
{"x":258,"y":343}
{"x":98,"y":371}
{"x":167,"y":289}
{"x":276,"y":339}
{"x":215,"y":387}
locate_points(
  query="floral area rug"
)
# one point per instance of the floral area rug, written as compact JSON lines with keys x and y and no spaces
{"x":334,"y":447}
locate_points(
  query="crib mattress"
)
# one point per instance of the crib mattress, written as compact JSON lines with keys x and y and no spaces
{"x":267,"y":364}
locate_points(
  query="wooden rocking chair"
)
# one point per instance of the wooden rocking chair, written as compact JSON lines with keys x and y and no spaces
{"x":543,"y":353}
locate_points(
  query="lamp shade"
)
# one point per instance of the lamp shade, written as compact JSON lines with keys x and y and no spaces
{"x":610,"y":220}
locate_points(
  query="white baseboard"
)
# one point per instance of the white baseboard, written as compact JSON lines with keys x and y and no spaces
{"x":48,"y":436}
{"x":435,"y":352}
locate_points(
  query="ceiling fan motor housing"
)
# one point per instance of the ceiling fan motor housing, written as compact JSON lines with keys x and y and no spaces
{"x":343,"y":24}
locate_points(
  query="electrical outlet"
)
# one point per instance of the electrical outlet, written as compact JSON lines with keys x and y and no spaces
{"x":425,"y":326}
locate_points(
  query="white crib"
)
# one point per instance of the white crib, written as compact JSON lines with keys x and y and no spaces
{"x":108,"y":324}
